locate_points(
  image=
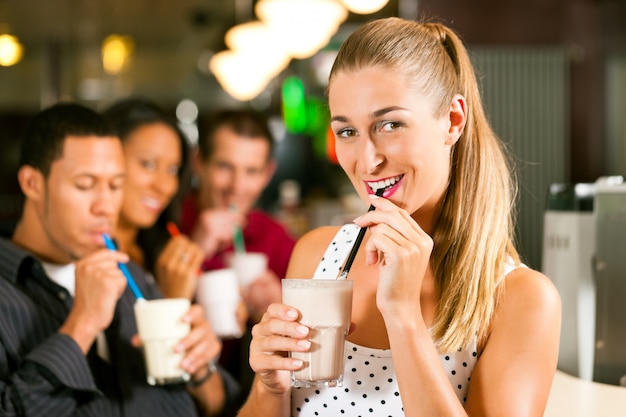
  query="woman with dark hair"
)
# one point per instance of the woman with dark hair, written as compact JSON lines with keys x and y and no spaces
{"x":157,"y":176}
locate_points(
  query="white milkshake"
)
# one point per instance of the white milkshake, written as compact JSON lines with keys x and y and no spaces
{"x":218,"y":293}
{"x":325,"y":307}
{"x":160,"y":328}
{"x":248,"y":266}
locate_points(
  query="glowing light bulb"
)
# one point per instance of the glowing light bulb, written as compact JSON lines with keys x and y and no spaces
{"x":11,"y":50}
{"x":303,"y":27}
{"x":116,"y":53}
{"x":364,"y":6}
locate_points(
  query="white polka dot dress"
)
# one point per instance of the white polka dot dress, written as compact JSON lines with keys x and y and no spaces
{"x":369,"y":386}
{"x":337,"y":252}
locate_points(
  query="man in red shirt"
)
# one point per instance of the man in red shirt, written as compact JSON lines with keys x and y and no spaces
{"x":234,"y":165}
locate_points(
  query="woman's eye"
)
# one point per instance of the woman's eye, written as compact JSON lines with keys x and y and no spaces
{"x":173,"y":170}
{"x":148,"y":164}
{"x":388,"y":126}
{"x":345,"y":133}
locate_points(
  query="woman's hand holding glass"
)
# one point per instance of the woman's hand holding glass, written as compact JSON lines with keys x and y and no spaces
{"x":277,"y":333}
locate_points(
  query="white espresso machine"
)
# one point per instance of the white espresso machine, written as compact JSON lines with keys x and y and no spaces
{"x":568,"y":246}
{"x":584,"y":253}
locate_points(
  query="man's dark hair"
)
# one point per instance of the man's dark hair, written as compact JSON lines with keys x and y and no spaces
{"x":45,"y":135}
{"x":246,"y":123}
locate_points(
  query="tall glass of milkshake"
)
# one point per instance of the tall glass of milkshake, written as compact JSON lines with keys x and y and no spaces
{"x":160,"y":326}
{"x":325,"y":307}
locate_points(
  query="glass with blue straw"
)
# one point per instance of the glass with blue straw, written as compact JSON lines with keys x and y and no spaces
{"x":160,"y":327}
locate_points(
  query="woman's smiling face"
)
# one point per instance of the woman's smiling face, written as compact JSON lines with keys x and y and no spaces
{"x":388,"y":135}
{"x":153,"y":158}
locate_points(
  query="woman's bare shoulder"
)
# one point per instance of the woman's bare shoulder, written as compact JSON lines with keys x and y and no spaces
{"x":309,"y":250}
{"x":521,"y":351}
{"x":531,"y":288}
{"x":528,"y":298}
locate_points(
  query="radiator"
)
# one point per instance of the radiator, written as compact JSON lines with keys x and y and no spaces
{"x":525,"y":92}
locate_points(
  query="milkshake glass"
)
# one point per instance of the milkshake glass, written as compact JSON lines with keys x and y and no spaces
{"x":248,"y":266}
{"x":325,"y":307}
{"x":218,"y":293}
{"x":160,"y":326}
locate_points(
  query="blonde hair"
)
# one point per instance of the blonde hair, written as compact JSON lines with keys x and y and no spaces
{"x":473,"y":237}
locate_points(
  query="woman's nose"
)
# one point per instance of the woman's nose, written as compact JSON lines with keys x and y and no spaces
{"x":370,"y":156}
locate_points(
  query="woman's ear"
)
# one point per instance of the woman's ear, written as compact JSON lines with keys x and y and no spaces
{"x":458,"y":117}
{"x":31,"y":182}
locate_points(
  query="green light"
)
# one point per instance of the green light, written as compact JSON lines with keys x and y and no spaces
{"x":293,"y":105}
{"x":317,"y":117}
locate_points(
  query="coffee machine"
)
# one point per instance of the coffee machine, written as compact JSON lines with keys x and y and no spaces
{"x":568,"y":246}
{"x":584,"y":253}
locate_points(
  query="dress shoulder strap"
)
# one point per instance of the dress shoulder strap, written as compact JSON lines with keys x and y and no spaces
{"x":337,"y":252}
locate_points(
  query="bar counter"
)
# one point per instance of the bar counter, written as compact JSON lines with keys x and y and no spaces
{"x":574,"y":397}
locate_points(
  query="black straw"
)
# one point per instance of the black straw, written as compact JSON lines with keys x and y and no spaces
{"x":357,"y":241}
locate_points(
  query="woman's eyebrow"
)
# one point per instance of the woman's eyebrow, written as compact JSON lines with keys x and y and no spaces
{"x":374,"y":114}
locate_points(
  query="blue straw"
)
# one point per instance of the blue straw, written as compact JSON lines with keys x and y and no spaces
{"x":129,"y":278}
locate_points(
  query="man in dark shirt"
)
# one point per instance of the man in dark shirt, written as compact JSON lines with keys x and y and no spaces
{"x":67,"y":329}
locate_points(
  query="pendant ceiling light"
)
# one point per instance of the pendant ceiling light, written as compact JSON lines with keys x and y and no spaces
{"x":117,"y":51}
{"x":11,"y":50}
{"x":251,"y":62}
{"x":303,"y":27}
{"x":259,"y":38}
{"x":364,"y":6}
{"x":242,"y":74}
{"x":286,"y":29}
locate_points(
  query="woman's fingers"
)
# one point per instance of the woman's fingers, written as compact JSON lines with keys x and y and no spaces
{"x":275,"y":335}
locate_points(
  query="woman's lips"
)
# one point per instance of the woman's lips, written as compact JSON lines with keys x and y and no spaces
{"x":391,"y":190}
{"x":390,"y":185}
{"x":152,"y":204}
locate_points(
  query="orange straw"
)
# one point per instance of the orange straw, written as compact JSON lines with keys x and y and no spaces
{"x":173,"y":229}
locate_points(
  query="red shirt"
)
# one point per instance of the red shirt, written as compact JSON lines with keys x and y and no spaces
{"x":261,"y":234}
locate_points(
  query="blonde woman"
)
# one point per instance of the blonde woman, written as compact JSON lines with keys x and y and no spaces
{"x":447,"y":320}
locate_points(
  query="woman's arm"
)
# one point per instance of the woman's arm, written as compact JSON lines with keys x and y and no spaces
{"x":514,"y":373}
{"x":263,"y":402}
{"x":406,"y":298}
